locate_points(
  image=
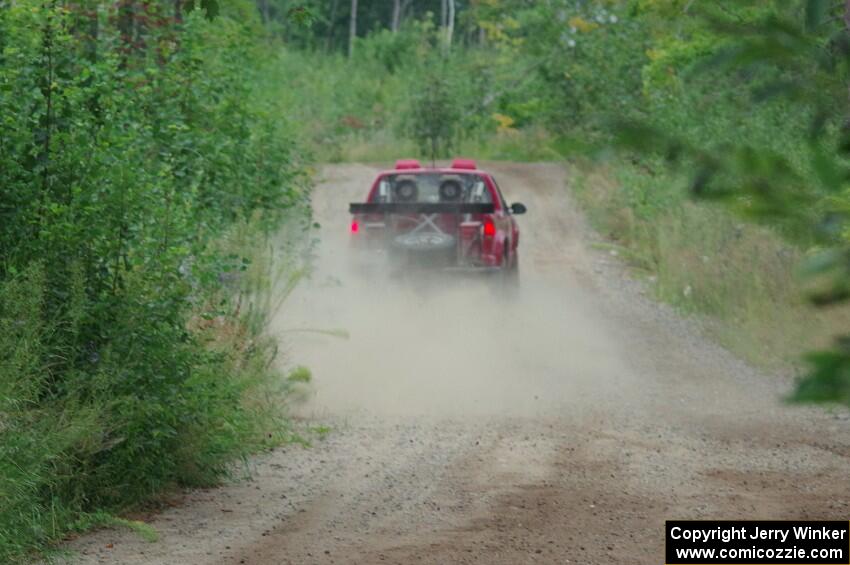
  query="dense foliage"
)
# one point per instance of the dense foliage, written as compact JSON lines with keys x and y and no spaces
{"x":766,"y":83}
{"x":135,"y":145}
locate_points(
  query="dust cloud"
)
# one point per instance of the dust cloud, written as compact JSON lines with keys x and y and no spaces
{"x":428,"y":342}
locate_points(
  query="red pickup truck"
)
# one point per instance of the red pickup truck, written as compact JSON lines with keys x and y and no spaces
{"x":456,"y":214}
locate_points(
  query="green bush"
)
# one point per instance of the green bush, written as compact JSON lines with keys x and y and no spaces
{"x":131,"y":149}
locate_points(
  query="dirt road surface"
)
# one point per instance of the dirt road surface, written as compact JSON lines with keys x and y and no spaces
{"x":561,"y":425}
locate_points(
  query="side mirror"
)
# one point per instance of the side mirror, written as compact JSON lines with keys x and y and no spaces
{"x":518,"y":208}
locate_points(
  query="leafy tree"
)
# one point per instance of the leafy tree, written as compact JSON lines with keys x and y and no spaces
{"x":435,"y":113}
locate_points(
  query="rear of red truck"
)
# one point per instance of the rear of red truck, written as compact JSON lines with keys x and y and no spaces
{"x":454,"y":216}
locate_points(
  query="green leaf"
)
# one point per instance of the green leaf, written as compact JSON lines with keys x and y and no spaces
{"x":829,"y":379}
{"x":302,"y":16}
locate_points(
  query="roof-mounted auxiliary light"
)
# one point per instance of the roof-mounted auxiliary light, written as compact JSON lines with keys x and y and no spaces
{"x":465,"y":164}
{"x":407,"y":164}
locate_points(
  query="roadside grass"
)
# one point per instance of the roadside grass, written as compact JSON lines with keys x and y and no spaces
{"x":321,"y":432}
{"x":359,"y":110}
{"x":107,"y":520}
{"x":273,"y":263}
{"x":741,"y":278}
{"x":384,"y":146}
{"x":353,"y":110}
{"x":381,"y":146}
{"x":525,"y":145}
{"x":231,"y":405}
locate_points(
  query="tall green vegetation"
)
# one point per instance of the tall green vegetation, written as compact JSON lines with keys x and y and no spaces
{"x":137,"y":141}
{"x":792,"y":61}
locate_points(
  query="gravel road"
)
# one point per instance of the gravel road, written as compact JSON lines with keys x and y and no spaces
{"x":560,"y":425}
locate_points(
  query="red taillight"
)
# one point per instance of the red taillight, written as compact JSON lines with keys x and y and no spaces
{"x":489,"y":227}
{"x":355,"y":227}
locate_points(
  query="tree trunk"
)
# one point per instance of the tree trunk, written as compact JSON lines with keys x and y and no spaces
{"x":847,"y":14}
{"x":396,"y":21}
{"x":450,"y":24}
{"x":444,"y":9}
{"x":46,"y":121}
{"x":352,"y":28}
{"x":265,"y":11}
{"x":847,"y":29}
{"x":126,"y":18}
{"x":332,"y":26}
